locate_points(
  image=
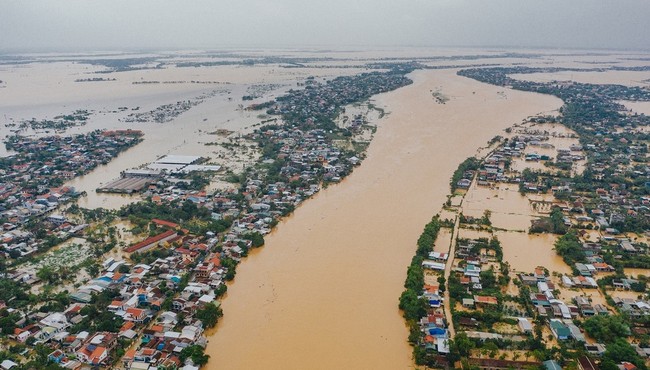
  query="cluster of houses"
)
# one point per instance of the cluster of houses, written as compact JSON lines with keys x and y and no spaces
{"x":18,"y":241}
{"x":560,"y":313}
{"x":307,"y":155}
{"x":434,"y":325}
{"x":319,"y":102}
{"x":30,"y":182}
{"x":167,"y":112}
{"x":161,"y":324}
{"x":496,"y":166}
{"x":610,"y":197}
{"x":41,"y":161}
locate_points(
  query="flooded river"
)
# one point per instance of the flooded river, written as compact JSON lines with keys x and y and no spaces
{"x":322,"y":293}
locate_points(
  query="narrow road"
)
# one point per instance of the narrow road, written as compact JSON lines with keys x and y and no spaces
{"x":448,"y":266}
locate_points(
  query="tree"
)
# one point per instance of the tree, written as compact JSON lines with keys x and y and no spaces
{"x":606,"y":329}
{"x":256,"y":238}
{"x":209,"y":314}
{"x":107,"y":321}
{"x":195,"y":353}
{"x":413,"y":307}
{"x":620,"y":350}
{"x":442,"y":283}
{"x":569,"y":247}
{"x":492,"y":349}
{"x":48,"y":274}
{"x":488,"y":279}
{"x":8,"y":322}
{"x":460,"y":346}
{"x":92,"y":269}
{"x":415,"y":275}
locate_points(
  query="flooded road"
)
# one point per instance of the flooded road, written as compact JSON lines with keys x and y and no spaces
{"x":323,"y":292}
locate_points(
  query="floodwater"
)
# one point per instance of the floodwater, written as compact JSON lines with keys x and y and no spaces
{"x":635,"y":272}
{"x":524,"y":252}
{"x":626,"y":78}
{"x":45,"y":90}
{"x":639,"y":107}
{"x":323,"y":292}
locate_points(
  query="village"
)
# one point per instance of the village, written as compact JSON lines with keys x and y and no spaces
{"x":491,"y":287}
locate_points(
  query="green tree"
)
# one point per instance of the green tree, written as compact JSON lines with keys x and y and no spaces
{"x":199,"y":358}
{"x":557,"y":221}
{"x":606,"y":329}
{"x":413,"y":307}
{"x":570,"y":248}
{"x":256,"y":238}
{"x":459,"y":347}
{"x":48,"y":274}
{"x":492,"y":349}
{"x":209,"y":314}
{"x":620,"y":350}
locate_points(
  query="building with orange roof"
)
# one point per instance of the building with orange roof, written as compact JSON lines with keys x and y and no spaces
{"x":485,"y":300}
{"x":127,"y":326}
{"x":137,"y":315}
{"x":151,"y":242}
{"x":92,"y":354}
{"x":165,"y":223}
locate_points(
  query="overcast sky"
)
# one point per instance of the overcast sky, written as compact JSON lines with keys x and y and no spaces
{"x":164,"y":24}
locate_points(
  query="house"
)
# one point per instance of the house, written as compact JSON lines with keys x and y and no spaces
{"x":468,"y":302}
{"x":8,"y":364}
{"x":528,"y":279}
{"x":582,"y":269}
{"x":601,"y":309}
{"x":164,"y":223}
{"x":442,"y":345}
{"x":603,"y":267}
{"x":525,"y":326}
{"x":464,"y":183}
{"x":438,"y":256}
{"x":115,"y":306}
{"x":93,"y":354}
{"x":597,"y":349}
{"x":566,"y":281}
{"x":575,"y":331}
{"x":151,"y":242}
{"x":468,"y":322}
{"x":485,"y":300}
{"x":627,"y":246}
{"x":433,"y":299}
{"x":472,"y":270}
{"x":585,"y":363}
{"x":539,"y":299}
{"x":57,"y":219}
{"x":433,"y":265}
{"x":560,"y":331}
{"x":540,"y":274}
{"x":136,"y":315}
{"x":627,"y":366}
{"x":586,"y":309}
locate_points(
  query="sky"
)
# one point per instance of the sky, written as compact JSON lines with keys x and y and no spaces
{"x":69,"y":25}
